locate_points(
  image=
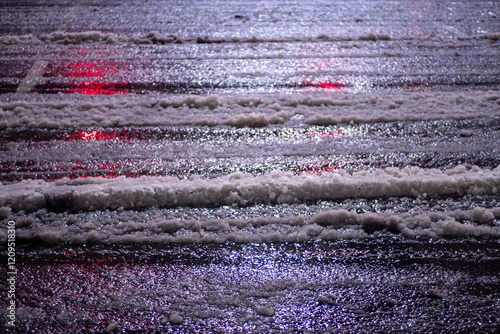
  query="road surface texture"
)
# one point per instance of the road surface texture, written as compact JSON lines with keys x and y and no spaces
{"x":250,"y":166}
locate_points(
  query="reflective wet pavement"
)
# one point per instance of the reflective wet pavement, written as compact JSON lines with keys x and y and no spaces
{"x":119,"y":90}
{"x":390,"y":285}
{"x":211,"y":152}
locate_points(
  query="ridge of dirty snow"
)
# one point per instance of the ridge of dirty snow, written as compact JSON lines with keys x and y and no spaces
{"x":244,"y":189}
{"x":155,"y":37}
{"x":328,"y":225}
{"x":245,"y":111}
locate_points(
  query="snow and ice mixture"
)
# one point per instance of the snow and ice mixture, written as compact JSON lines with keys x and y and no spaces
{"x":253,"y":167}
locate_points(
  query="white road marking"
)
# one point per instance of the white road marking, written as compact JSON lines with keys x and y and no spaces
{"x":31,"y":79}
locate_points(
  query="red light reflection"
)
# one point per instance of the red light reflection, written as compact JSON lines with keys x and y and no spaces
{"x":99,"y":88}
{"x":87,"y":87}
{"x":124,"y":135}
{"x":82,"y":69}
{"x":86,"y":69}
{"x":94,"y":135}
{"x":327,"y":85}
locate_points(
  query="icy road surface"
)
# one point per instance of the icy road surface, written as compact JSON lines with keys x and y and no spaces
{"x":251,"y":167}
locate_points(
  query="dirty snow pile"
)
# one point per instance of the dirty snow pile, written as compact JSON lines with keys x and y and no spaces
{"x":155,"y":37}
{"x":133,"y":227}
{"x":251,"y":111}
{"x":244,"y":189}
{"x":238,"y":189}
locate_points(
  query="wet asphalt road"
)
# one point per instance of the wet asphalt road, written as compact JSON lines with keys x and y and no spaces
{"x":388,"y":285}
{"x":152,"y":50}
